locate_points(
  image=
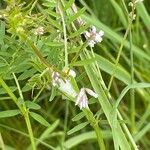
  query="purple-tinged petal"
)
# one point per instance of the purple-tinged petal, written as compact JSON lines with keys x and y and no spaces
{"x":90,"y":92}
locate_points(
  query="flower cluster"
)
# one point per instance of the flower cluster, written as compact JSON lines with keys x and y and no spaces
{"x":65,"y":86}
{"x":39,"y":31}
{"x":133,"y":4}
{"x":93,"y":36}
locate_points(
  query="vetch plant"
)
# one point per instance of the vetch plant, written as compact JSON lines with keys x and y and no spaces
{"x":60,"y":89}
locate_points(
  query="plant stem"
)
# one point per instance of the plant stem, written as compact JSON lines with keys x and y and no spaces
{"x":10,"y":93}
{"x":94,"y":124}
{"x":65,"y":34}
{"x":118,"y":57}
{"x":132,"y":91}
{"x":23,"y":110}
{"x":99,"y":136}
{"x":122,"y":44}
{"x":27,"y":120}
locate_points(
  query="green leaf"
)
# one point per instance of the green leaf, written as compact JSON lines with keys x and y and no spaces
{"x":82,"y":137}
{"x":55,"y":44}
{"x":46,"y":134}
{"x":32,"y":105}
{"x":2,"y":31}
{"x":78,"y":116}
{"x":39,"y":118}
{"x":124,"y":91}
{"x":9,"y":113}
{"x":13,"y":88}
{"x":84,"y":62}
{"x":68,"y":5}
{"x":131,"y":86}
{"x":77,"y":128}
{"x":108,"y":67}
{"x":76,"y":15}
{"x":107,"y":107}
{"x":49,"y":130}
{"x":27,"y":74}
{"x":119,"y":12}
{"x":26,"y":88}
{"x":79,"y":31}
{"x":50,"y":4}
{"x":52,"y":13}
{"x":53,"y":93}
{"x":144,"y":15}
{"x":54,"y":23}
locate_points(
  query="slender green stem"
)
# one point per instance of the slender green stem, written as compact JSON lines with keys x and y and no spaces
{"x":27,"y":120}
{"x":65,"y":34}
{"x":122,"y":44}
{"x":99,"y":136}
{"x":38,"y":94}
{"x":66,"y":119}
{"x":79,"y":52}
{"x":10,"y":93}
{"x":19,"y":89}
{"x":40,"y":56}
{"x":132,"y":91}
{"x":22,"y":108}
{"x":118,"y":56}
{"x":94,"y":124}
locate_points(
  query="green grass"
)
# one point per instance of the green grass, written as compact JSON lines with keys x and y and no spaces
{"x":36,"y":115}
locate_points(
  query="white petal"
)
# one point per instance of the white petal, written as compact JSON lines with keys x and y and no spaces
{"x":81,"y":105}
{"x":98,"y":38}
{"x":83,"y":102}
{"x":87,"y":34}
{"x":101,"y":33}
{"x":78,"y":99}
{"x":80,"y":96}
{"x":54,"y":83}
{"x":66,"y":87}
{"x":93,"y":30}
{"x":91,"y":43}
{"x":72,"y":73}
{"x":55,"y":75}
{"x":90,"y":92}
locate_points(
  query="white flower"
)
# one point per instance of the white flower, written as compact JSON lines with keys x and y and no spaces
{"x":82,"y":99}
{"x":64,"y":86}
{"x":39,"y":31}
{"x":72,"y":73}
{"x":55,"y":78}
{"x":93,"y":36}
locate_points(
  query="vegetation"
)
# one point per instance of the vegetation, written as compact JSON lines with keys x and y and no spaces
{"x":74,"y":74}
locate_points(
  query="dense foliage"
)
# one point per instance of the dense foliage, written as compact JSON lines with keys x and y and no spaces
{"x":74,"y":74}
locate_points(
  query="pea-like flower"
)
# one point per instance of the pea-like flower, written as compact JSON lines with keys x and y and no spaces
{"x":82,"y":99}
{"x":64,"y":85}
{"x":93,"y":36}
